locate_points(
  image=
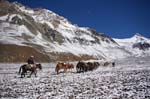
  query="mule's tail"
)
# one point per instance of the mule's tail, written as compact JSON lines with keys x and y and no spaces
{"x":20,"y":70}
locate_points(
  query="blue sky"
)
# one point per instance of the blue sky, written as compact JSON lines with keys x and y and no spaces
{"x":115,"y":18}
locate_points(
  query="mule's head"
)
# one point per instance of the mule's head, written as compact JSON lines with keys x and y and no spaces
{"x":39,"y":66}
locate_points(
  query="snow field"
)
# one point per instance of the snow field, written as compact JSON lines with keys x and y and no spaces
{"x":128,"y":80}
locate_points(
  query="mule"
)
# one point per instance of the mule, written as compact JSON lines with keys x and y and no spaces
{"x":60,"y":66}
{"x":81,"y":67}
{"x":84,"y":67}
{"x":29,"y":67}
{"x":63,"y":66}
{"x":109,"y":64}
{"x":106,"y":63}
{"x":69,"y":66}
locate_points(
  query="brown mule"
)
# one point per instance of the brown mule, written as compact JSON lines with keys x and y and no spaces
{"x":60,"y":66}
{"x":63,"y":66}
{"x":69,"y":66}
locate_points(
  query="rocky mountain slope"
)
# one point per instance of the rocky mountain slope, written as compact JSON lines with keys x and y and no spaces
{"x":53,"y":35}
{"x":138,"y":45}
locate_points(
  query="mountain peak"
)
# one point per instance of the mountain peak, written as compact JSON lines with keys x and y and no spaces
{"x":138,"y":35}
{"x":53,"y":34}
{"x":139,"y":38}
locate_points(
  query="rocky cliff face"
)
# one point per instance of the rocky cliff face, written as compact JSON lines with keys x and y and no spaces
{"x":137,"y":45}
{"x":142,"y":46}
{"x":49,"y":33}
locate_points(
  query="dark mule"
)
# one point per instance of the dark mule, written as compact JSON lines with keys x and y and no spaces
{"x":106,"y":64}
{"x":109,"y":64}
{"x":92,"y":65}
{"x":28,"y":67}
{"x":84,"y":67}
{"x":81,"y":67}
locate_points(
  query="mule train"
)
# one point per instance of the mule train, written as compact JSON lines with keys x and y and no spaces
{"x":28,"y":67}
{"x":82,"y":66}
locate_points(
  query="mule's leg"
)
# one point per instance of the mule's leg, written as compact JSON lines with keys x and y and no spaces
{"x":57,"y":71}
{"x":25,"y":72}
{"x":77,"y":69}
{"x":69,"y":69}
{"x":81,"y":69}
{"x":65,"y":70}
{"x":22,"y":74}
{"x":35,"y":72}
{"x":31,"y":73}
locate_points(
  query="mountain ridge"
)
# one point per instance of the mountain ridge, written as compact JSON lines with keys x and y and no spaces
{"x":138,"y":45}
{"x":54,"y":35}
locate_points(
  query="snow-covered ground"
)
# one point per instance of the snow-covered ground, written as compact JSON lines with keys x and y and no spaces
{"x":129,"y":79}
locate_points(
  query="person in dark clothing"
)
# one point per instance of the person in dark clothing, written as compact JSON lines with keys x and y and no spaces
{"x":30,"y":60}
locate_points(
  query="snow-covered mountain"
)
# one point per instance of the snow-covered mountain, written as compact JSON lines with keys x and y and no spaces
{"x":53,"y":35}
{"x":138,"y":45}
